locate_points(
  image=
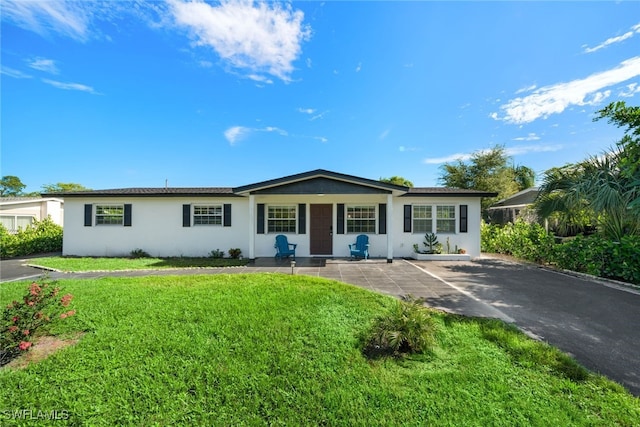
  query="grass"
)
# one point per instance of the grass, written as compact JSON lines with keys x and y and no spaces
{"x":271,"y":349}
{"x":115,"y":264}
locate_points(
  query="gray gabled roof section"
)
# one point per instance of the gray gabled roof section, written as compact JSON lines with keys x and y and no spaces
{"x":318,"y":181}
{"x":520,"y":199}
{"x":446,"y":192}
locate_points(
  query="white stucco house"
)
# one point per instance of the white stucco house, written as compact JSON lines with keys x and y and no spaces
{"x":320,"y":211}
{"x":18,"y":212}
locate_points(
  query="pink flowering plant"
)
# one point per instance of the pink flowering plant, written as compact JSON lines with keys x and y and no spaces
{"x":21,"y":320}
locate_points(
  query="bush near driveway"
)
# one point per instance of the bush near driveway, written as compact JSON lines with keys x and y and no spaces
{"x":39,"y":237}
{"x":593,"y":255}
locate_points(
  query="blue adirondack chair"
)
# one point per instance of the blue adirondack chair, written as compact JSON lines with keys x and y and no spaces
{"x":284,"y":248}
{"x":360,"y":249}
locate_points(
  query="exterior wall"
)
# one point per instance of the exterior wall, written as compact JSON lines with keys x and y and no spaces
{"x":38,"y":209}
{"x":470,"y":241}
{"x":156,"y":227}
{"x":377,"y":242}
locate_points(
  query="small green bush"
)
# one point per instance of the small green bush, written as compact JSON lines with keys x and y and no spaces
{"x":520,"y":239}
{"x":139,"y":253}
{"x":39,"y":237}
{"x":235,"y":253}
{"x":216,"y":253}
{"x":406,"y":328}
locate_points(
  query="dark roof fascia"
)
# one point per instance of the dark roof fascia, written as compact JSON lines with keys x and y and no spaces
{"x":446,"y":192}
{"x":318,"y":173}
{"x":149,"y":192}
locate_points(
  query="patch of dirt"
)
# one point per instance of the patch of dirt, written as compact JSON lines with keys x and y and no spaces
{"x":42,"y":348}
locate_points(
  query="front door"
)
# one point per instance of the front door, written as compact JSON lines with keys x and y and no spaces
{"x":321,"y":230}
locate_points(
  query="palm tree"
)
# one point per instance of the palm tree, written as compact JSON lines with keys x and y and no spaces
{"x":597,"y":185}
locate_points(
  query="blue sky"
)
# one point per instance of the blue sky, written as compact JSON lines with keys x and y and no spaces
{"x":130,"y":94}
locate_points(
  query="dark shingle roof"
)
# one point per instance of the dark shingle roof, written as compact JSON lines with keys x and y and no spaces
{"x":446,"y":192}
{"x":150,"y":192}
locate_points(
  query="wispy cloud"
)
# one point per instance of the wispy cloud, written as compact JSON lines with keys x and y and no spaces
{"x":530,"y":137}
{"x":307,"y":110}
{"x":16,"y":74}
{"x":510,"y":151}
{"x":237,"y":133}
{"x":403,"y":149}
{"x":359,"y":67}
{"x":44,"y":64}
{"x":71,"y":86}
{"x":263,"y":38}
{"x":613,"y":40}
{"x":69,"y":19}
{"x":630,"y":90}
{"x":385,"y":133}
{"x":526,"y":149}
{"x":556,"y":98}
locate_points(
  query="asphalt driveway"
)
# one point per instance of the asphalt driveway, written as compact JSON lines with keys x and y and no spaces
{"x":596,"y":322}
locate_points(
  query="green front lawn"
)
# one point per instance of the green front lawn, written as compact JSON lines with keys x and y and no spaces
{"x":264,"y":349}
{"x":113,"y":264}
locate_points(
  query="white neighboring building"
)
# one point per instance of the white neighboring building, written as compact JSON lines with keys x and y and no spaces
{"x":18,"y":212}
{"x":321,"y":211}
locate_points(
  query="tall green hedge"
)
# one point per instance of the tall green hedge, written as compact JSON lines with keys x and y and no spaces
{"x":593,"y":255}
{"x":39,"y":237}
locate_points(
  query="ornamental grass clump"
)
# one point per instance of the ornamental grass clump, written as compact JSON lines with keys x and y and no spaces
{"x":26,"y":319}
{"x":407,"y":327}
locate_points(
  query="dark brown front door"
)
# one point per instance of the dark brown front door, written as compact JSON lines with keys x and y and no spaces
{"x":321,"y":230}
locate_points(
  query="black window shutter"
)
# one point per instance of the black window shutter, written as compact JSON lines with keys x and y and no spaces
{"x":127,"y":215}
{"x":340,"y":218}
{"x":463,"y":218}
{"x":227,"y":215}
{"x":407,"y":218}
{"x":186,"y":215}
{"x":382,"y":218}
{"x":302,"y":218}
{"x":88,"y":213}
{"x":260,"y":219}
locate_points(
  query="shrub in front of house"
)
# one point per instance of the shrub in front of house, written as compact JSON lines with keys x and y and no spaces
{"x":24,"y":320}
{"x":39,"y":237}
{"x":407,"y":327}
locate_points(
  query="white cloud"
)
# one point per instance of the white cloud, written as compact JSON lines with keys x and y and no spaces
{"x":309,"y":63}
{"x":511,"y":151}
{"x":235,"y":133}
{"x":630,"y":90}
{"x":359,"y":67}
{"x":612,"y":40}
{"x":384,"y":134}
{"x":71,"y":86}
{"x":70,"y":19}
{"x":16,"y":74}
{"x":263,"y":38}
{"x":526,"y":149}
{"x":44,"y":64}
{"x":556,"y":98}
{"x":403,"y":149}
{"x":307,"y":110}
{"x":526,"y":89}
{"x":530,"y":137}
{"x":447,"y":159}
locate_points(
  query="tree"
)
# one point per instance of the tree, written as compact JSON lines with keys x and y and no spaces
{"x":11,"y":186}
{"x":607,"y":186}
{"x":488,"y":170}
{"x":63,"y":187}
{"x":397,"y":180}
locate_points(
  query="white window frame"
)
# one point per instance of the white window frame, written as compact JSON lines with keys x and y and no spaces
{"x":100,"y":218}
{"x":446,"y":219}
{"x":427,"y":219}
{"x":282,"y":219}
{"x":354,"y":216}
{"x":213,"y":216}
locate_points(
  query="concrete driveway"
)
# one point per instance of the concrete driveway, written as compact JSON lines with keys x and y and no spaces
{"x":596,"y":322}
